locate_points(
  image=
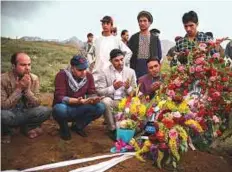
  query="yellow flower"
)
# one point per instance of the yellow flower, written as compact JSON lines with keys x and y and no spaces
{"x":142,"y":110}
{"x":133,"y":109}
{"x":161,"y":104}
{"x":183,"y":134}
{"x":135,"y":100}
{"x":183,"y":107}
{"x":122,"y":104}
{"x":195,"y":124}
{"x":171,"y":105}
{"x":173,"y":147}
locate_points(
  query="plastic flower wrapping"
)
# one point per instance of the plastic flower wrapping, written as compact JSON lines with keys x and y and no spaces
{"x":189,"y":110}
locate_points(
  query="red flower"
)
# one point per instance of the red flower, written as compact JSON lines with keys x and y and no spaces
{"x":169,"y":123}
{"x":219,"y":133}
{"x":225,"y":79}
{"x":185,"y":92}
{"x":171,"y":86}
{"x":213,"y":72}
{"x":160,"y":136}
{"x":163,"y":146}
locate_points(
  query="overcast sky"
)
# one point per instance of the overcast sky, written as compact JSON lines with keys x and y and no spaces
{"x":61,"y":20}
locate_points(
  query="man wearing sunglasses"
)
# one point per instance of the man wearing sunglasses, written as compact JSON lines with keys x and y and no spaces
{"x":72,"y":87}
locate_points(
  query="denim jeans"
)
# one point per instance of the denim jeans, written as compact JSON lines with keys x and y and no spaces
{"x":81,"y":114}
{"x":27,"y":119}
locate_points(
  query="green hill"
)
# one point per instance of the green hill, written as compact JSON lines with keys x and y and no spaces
{"x":47,"y":58}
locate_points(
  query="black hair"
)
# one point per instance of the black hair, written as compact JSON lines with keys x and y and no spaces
{"x":153,"y":59}
{"x":89,"y":35}
{"x":115,"y":53}
{"x":190,"y":16}
{"x":124,"y":32}
{"x":14,"y":58}
{"x":210,"y":34}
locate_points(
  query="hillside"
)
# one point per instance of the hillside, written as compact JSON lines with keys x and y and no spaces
{"x":47,"y":58}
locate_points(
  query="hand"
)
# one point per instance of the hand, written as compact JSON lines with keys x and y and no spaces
{"x":127,"y":84}
{"x":85,"y":101}
{"x":117,"y":84}
{"x":96,"y":100}
{"x":156,"y":85}
{"x":24,"y":83}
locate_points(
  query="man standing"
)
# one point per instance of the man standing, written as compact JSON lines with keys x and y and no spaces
{"x":115,"y":83}
{"x":104,"y":45}
{"x":125,"y":36}
{"x":20,"y":103}
{"x":72,"y":85}
{"x":89,"y":49}
{"x":143,"y":44}
{"x":192,"y":37}
{"x":151,"y":82}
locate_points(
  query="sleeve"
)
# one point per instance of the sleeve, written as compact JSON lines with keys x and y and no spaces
{"x":128,"y":53}
{"x":103,"y":89}
{"x":32,"y":95}
{"x":60,"y":87}
{"x":133,"y":82}
{"x":159,"y":49}
{"x":8,"y":102}
{"x":91,"y":87}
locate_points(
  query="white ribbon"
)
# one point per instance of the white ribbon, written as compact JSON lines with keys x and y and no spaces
{"x":101,"y":166}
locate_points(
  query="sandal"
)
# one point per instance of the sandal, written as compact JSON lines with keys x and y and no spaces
{"x":35,"y":133}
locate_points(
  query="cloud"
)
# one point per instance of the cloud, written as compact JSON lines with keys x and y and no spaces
{"x":23,"y":10}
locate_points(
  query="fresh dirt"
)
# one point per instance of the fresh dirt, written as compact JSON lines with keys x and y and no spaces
{"x":24,"y":153}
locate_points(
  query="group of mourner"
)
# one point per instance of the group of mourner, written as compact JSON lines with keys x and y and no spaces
{"x":94,"y":81}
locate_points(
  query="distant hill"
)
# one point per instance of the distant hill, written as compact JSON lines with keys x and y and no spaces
{"x":71,"y":41}
{"x":47,"y":58}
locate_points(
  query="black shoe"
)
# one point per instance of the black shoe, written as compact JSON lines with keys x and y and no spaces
{"x":112,"y":135}
{"x":81,"y":133}
{"x":64,"y":130}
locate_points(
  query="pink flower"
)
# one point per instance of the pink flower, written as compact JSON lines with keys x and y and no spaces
{"x":173,"y":134}
{"x":202,"y":46}
{"x":171,"y":93}
{"x":176,"y":114}
{"x":177,"y":82}
{"x":209,"y":99}
{"x":216,"y":55}
{"x":199,"y":69}
{"x":192,"y":69}
{"x":181,"y":68}
{"x":216,"y":119}
{"x":213,"y":78}
{"x":216,"y":94}
{"x":200,"y":60}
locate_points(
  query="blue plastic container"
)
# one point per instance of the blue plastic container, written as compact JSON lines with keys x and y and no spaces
{"x":125,"y":134}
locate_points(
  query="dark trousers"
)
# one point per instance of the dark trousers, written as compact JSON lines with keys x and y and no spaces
{"x":27,"y":119}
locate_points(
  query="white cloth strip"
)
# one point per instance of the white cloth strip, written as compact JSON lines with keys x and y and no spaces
{"x":70,"y":162}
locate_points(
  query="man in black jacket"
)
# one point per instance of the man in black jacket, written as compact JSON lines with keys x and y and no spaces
{"x":144,"y":45}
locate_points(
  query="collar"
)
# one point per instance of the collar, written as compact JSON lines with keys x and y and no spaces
{"x":113,"y":68}
{"x":196,"y":37}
